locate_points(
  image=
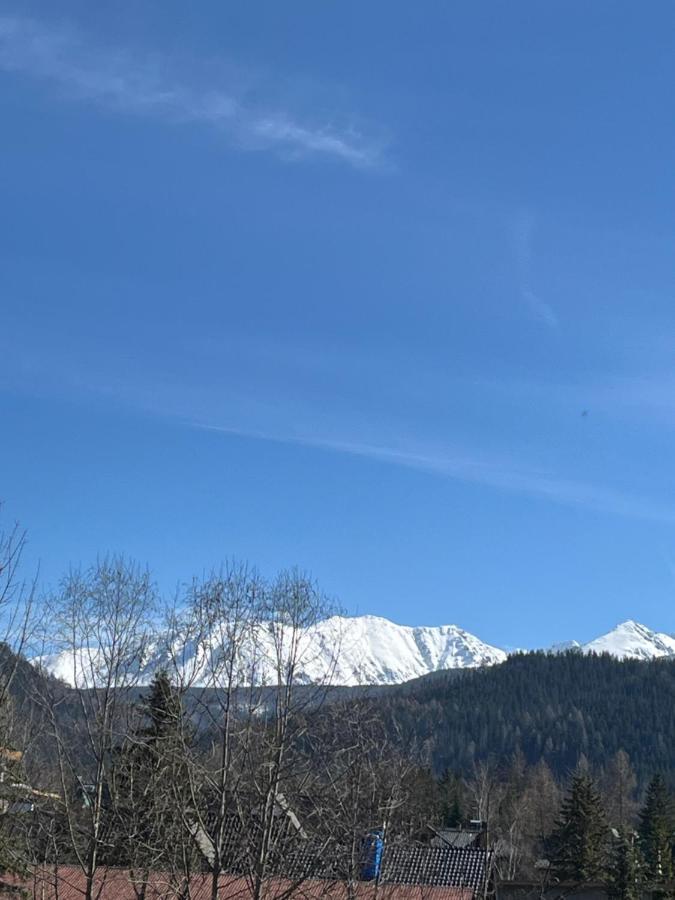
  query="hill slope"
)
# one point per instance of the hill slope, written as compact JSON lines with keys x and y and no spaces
{"x":551,"y":707}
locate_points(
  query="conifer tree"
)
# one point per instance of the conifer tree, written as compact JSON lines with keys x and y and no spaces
{"x":625,"y":874}
{"x":163,"y":714}
{"x":657,"y":827}
{"x":579,"y":842}
{"x":149,"y":806}
{"x":450,"y":797}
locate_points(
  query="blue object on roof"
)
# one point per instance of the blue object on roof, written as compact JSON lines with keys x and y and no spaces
{"x":373,"y":847}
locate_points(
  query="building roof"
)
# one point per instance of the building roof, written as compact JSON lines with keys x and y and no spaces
{"x":294,"y":856}
{"x":116,"y":884}
{"x":447,"y":866}
{"x":455,"y":837}
{"x":403,"y":864}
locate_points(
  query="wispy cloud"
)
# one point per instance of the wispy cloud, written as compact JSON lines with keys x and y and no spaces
{"x":467,"y":467}
{"x":275,"y":411}
{"x":523,"y":236}
{"x":129,"y":83}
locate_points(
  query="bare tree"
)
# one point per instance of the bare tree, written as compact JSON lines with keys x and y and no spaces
{"x":17,"y":595}
{"x":212,"y":657}
{"x":245,"y":675}
{"x":99,"y":628}
{"x":508,"y":830}
{"x":618,"y":786}
{"x":293,"y":608}
{"x":360,"y":788}
{"x":545,"y":796}
{"x":487,"y":790}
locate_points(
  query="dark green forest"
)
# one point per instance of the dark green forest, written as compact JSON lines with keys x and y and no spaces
{"x":557,"y":708}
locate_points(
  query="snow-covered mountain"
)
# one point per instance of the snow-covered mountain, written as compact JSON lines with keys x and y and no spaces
{"x":630,"y":640}
{"x":362,"y":650}
{"x":358,"y":650}
{"x":374,"y":650}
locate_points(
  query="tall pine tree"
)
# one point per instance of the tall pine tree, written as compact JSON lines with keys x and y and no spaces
{"x":150,"y":799}
{"x":657,"y":828}
{"x":579,"y":843}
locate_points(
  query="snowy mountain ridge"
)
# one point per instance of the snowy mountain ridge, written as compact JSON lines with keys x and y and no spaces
{"x":360,"y":650}
{"x":630,"y":640}
{"x":354,"y":650}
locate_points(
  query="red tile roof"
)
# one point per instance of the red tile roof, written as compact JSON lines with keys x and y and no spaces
{"x":68,"y":883}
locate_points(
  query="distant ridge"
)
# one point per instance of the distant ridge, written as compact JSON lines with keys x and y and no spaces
{"x":374,"y":650}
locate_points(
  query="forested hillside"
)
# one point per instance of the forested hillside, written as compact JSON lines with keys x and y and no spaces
{"x":558,"y":708}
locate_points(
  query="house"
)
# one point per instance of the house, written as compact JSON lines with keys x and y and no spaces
{"x":300,"y":870}
{"x":293,"y":855}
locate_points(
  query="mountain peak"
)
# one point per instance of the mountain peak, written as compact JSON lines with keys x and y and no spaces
{"x":632,"y":640}
{"x":632,"y":625}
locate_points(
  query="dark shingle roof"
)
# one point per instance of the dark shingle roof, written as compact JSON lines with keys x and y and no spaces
{"x":404,"y":864}
{"x":455,"y":837}
{"x":452,"y":866}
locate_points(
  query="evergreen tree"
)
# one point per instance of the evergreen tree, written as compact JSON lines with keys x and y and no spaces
{"x":657,"y":831}
{"x":149,"y":797}
{"x":579,"y":842}
{"x":452,"y":812}
{"x":163,"y":713}
{"x":625,"y":874}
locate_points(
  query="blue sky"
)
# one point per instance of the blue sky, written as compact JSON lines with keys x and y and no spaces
{"x":379,"y":290}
